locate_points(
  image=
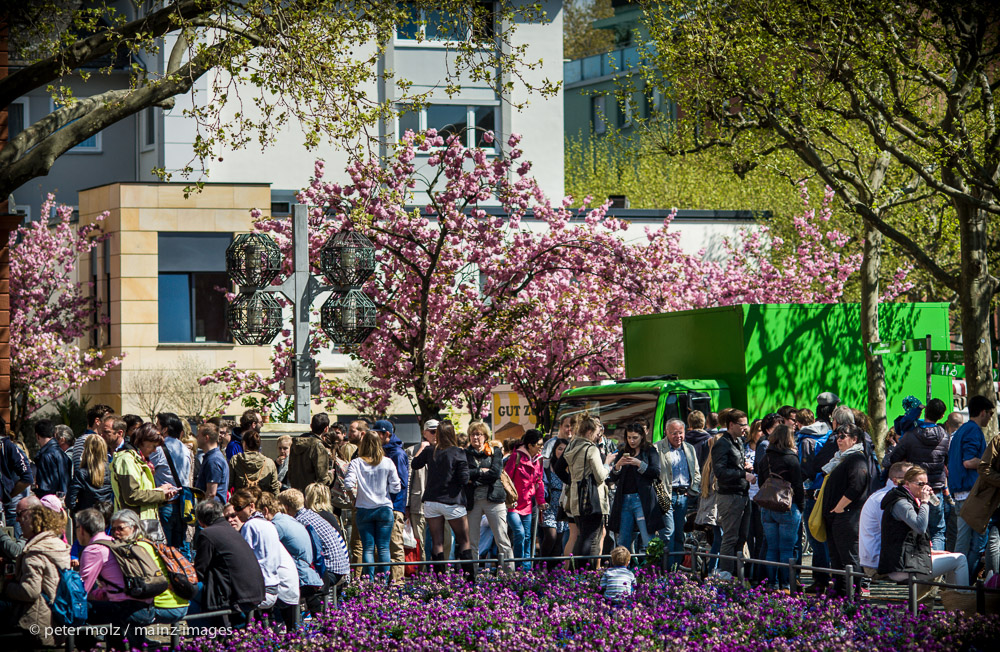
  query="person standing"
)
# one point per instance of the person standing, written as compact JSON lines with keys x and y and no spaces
{"x":485,"y":494}
{"x":968,"y":445}
{"x":92,"y":483}
{"x":132,"y":479}
{"x":179,"y":462}
{"x":251,"y":468}
{"x":843,"y":499}
{"x":444,"y":493}
{"x":372,"y":479}
{"x":52,"y":468}
{"x":15,"y":477}
{"x":524,"y":467}
{"x":213,"y":477}
{"x":95,"y":421}
{"x":418,"y":479}
{"x":585,"y":464}
{"x":393,"y":449}
{"x":634,"y":510}
{"x":308,"y":460}
{"x":733,"y":474}
{"x":781,"y":529}
{"x":680,"y":473}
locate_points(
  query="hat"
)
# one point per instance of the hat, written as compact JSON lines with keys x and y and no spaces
{"x":383,"y":425}
{"x":432,"y":424}
{"x":52,"y":502}
{"x":827,"y":398}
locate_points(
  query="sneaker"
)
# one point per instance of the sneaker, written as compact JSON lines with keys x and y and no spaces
{"x":866,"y":592}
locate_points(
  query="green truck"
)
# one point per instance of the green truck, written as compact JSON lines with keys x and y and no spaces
{"x":758,"y":358}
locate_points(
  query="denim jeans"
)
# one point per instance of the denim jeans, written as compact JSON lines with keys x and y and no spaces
{"x":820,"y":556}
{"x":375,"y":530}
{"x":520,"y":529}
{"x":967,"y":541}
{"x":175,"y":529}
{"x":169,"y":615}
{"x":632,"y":519}
{"x":673,"y":528}
{"x":781,"y":530}
{"x":936,"y":522}
{"x":992,"y":548}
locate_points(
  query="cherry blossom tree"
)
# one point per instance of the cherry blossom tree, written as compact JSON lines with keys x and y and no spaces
{"x":51,"y":311}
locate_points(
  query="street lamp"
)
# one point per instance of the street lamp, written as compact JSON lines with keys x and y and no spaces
{"x":347,"y":259}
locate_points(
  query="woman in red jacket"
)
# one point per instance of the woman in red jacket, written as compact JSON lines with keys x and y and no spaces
{"x":524,"y":466}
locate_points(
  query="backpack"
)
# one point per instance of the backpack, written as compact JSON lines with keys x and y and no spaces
{"x":180,"y":572}
{"x":509,"y":489}
{"x":69,"y":607}
{"x":142,"y":575}
{"x":319,"y":561}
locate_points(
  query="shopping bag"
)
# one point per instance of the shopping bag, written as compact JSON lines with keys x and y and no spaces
{"x":817,"y":525}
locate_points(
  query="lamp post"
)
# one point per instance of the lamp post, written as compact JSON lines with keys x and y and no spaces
{"x":347,"y":259}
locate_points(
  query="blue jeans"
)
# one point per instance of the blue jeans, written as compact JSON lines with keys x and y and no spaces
{"x":673,"y":528}
{"x":967,"y":541}
{"x":520,"y":527}
{"x":936,"y":522}
{"x":781,"y":531}
{"x":175,"y":529}
{"x":632,"y":519}
{"x":375,"y":530}
{"x":820,"y":556}
{"x":169,"y":615}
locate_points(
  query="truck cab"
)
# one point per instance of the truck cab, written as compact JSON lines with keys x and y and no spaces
{"x":654,"y":400}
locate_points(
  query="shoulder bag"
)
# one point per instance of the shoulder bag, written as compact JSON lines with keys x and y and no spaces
{"x":775,"y":494}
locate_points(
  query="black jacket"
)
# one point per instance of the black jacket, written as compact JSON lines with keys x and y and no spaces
{"x":728,"y":465}
{"x":484,"y":470}
{"x":647,"y":493}
{"x":699,"y":439}
{"x":227,"y":566}
{"x":928,"y":447}
{"x":447,"y":474}
{"x":851,"y":479}
{"x":903,"y":549}
{"x":83,"y":495}
{"x":785,"y":465}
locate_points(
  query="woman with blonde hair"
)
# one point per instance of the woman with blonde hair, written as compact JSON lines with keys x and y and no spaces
{"x":92,"y":483}
{"x":371,"y":478}
{"x":485,"y":494}
{"x":317,"y":498}
{"x":586,"y":469}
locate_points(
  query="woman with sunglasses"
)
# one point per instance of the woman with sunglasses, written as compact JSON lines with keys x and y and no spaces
{"x":843,"y":497}
{"x":906,"y":548}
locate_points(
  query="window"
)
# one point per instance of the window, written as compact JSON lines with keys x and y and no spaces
{"x":597,"y":115}
{"x":614,"y":410}
{"x":91,"y":145}
{"x":422,"y":24}
{"x":628,"y":111}
{"x":451,"y":119}
{"x":149,"y":128}
{"x":17,"y":117}
{"x":191,"y":267}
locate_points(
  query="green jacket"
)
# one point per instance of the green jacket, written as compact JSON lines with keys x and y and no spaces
{"x":132,"y":482}
{"x":308,"y":462}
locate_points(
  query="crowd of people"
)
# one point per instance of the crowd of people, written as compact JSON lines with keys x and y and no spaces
{"x":162,"y":521}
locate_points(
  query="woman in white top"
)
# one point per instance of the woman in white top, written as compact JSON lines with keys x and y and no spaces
{"x":372,"y":479}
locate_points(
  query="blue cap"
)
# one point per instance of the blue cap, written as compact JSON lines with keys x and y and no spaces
{"x":382,"y":425}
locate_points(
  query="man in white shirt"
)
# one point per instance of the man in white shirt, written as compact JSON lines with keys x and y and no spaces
{"x":870,"y":527}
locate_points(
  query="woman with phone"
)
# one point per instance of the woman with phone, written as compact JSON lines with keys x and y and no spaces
{"x":634,"y":470}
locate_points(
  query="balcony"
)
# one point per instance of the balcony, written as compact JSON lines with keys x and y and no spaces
{"x":602,"y":65}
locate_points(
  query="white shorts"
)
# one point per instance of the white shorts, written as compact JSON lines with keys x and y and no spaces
{"x":449,"y":512}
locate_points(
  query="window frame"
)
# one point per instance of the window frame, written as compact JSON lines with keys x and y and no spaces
{"x":425,"y":41}
{"x":599,"y":114}
{"x":472,"y":134}
{"x":149,"y":116}
{"x":97,"y":148}
{"x":25,"y":115}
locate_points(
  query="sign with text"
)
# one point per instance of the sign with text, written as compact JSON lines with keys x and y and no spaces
{"x":897,"y":346}
{"x":511,"y":415}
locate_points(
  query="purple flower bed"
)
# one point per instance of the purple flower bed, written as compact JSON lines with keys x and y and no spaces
{"x":535,"y":612}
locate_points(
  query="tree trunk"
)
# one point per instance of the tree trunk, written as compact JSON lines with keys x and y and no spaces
{"x":871,"y":264}
{"x":975,"y":295}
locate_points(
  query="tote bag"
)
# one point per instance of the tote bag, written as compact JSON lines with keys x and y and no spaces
{"x":817,"y":525}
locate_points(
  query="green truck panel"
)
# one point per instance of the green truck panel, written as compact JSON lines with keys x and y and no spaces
{"x":776,"y":354}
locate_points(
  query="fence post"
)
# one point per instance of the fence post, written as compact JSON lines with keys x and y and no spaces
{"x":175,"y":641}
{"x":499,"y":560}
{"x":849,"y":578}
{"x":740,"y":572}
{"x":297,"y":615}
{"x":793,"y":577}
{"x":71,"y":640}
{"x":980,"y":597}
{"x":911,"y":593}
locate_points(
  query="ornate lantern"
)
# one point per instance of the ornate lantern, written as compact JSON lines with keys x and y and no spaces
{"x":254,"y":318}
{"x":348,"y":317}
{"x":253,"y":260}
{"x":347,"y":259}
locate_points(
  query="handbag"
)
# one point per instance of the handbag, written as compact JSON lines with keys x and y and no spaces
{"x":510,"y":491}
{"x":775,"y":494}
{"x":817,"y":524}
{"x":409,"y":540}
{"x":588,"y":496}
{"x":708,"y":511}
{"x":339,"y":497}
{"x":662,"y":496}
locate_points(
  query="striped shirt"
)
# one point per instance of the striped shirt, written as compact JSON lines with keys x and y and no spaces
{"x":334,"y":548}
{"x":617,"y":582}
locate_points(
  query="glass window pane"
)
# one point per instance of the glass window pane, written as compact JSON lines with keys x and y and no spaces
{"x":150,"y":126}
{"x":592,"y":67}
{"x":485,"y":24}
{"x":448,"y":120}
{"x":175,"y":308}
{"x":209,"y":306}
{"x":409,"y":119}
{"x":443,"y":26}
{"x":597,"y":114}
{"x":193,"y":252}
{"x":614,"y":410}
{"x":410,"y":28}
{"x":15,"y":119}
{"x":485,"y":121}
